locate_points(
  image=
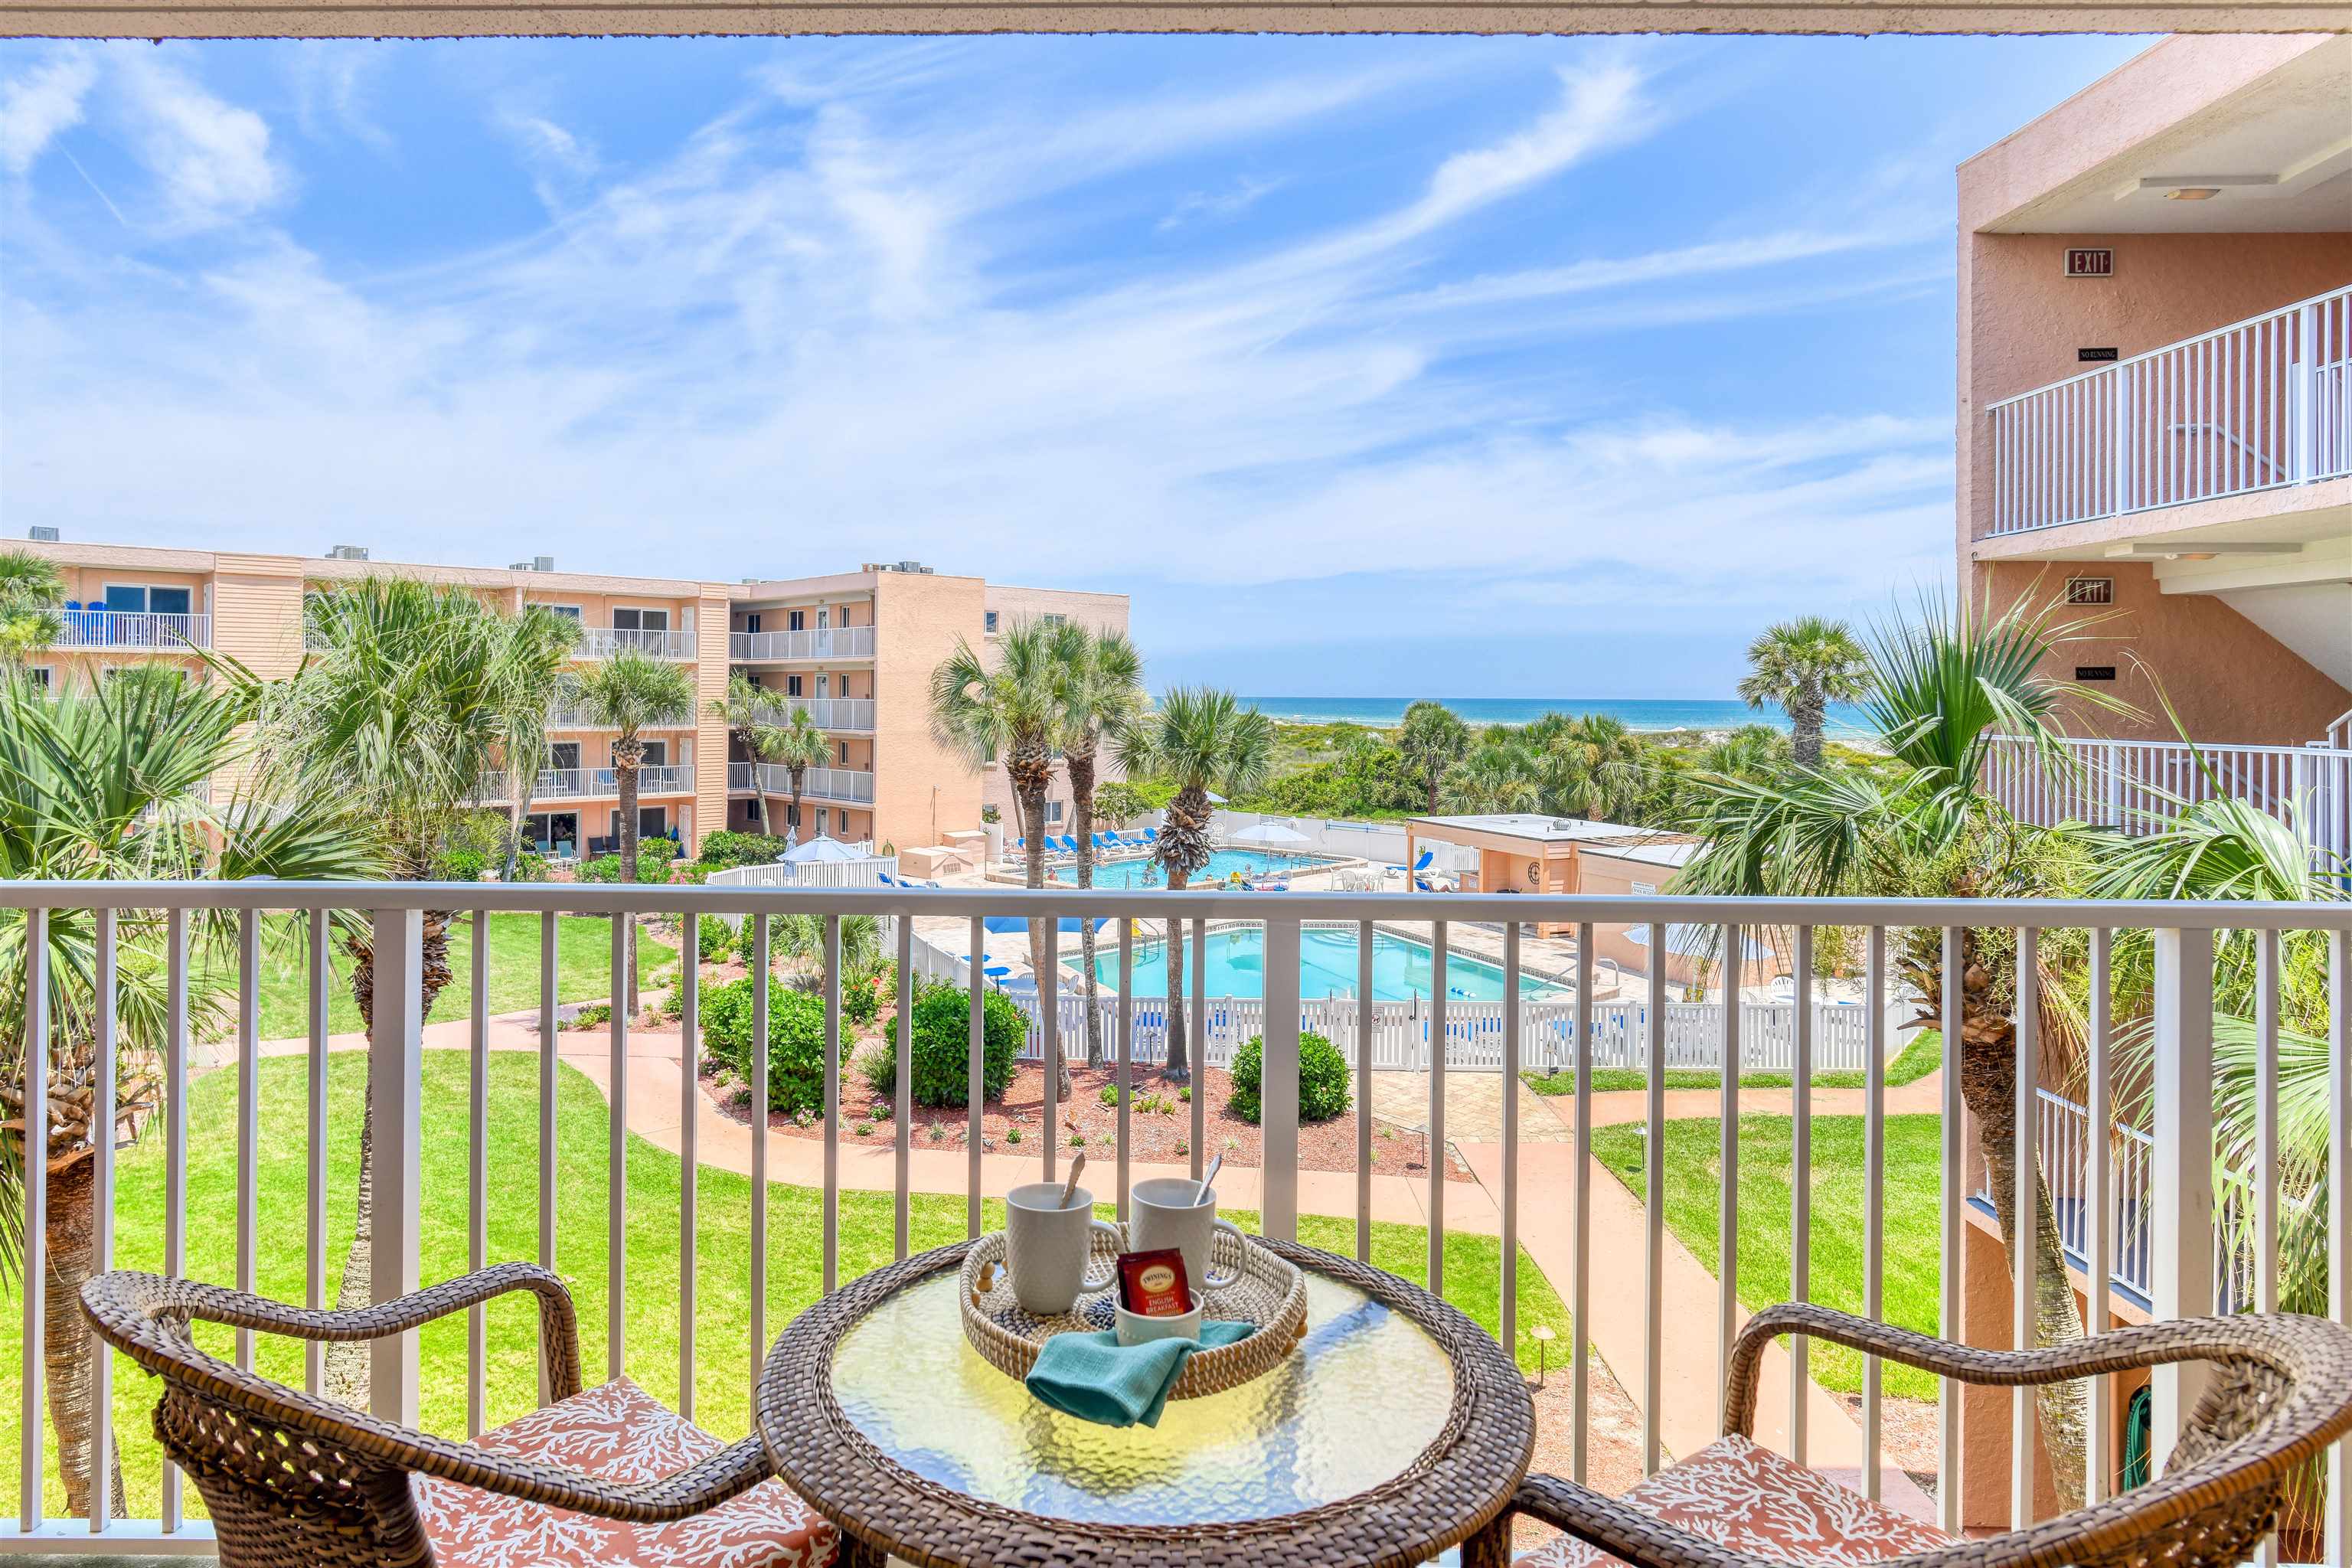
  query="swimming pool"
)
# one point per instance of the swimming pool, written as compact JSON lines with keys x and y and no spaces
{"x":1223,"y":863}
{"x":1326,"y":967}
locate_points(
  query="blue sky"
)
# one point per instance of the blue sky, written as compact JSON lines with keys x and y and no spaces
{"x":1479,"y":367}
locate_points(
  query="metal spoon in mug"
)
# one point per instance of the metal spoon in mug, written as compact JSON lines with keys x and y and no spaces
{"x":1209,"y":1176}
{"x":1070,"y":1187}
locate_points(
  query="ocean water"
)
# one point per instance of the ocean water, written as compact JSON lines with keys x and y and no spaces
{"x":1638,"y":713}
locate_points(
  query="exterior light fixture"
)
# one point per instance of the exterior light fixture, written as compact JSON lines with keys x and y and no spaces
{"x":2193,"y":193}
{"x":1543,"y":1336}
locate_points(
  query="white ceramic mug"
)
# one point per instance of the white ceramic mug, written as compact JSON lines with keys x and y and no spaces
{"x":1170,"y":1211}
{"x":1047,"y":1247}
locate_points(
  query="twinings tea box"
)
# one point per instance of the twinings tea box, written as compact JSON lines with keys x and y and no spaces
{"x":1153,"y":1284}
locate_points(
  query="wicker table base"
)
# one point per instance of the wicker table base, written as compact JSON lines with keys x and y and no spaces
{"x":920,"y":1486}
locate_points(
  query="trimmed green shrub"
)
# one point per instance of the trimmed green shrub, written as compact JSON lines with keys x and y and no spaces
{"x":652,"y":868}
{"x":1322,"y":1079}
{"x":531,"y":866}
{"x":720,"y":850}
{"x":941,"y":1047}
{"x":715,"y":938}
{"x":604,"y":868}
{"x":795,"y":1041}
{"x":462,"y":865}
{"x":861,"y":998}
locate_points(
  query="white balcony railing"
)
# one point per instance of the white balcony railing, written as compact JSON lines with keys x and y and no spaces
{"x":604,"y":642}
{"x":242,"y":1216}
{"x":561,"y":784}
{"x":816,"y":783}
{"x":2137,"y":785}
{"x":569,"y":714}
{"x":2249,"y":407}
{"x":127,"y":630}
{"x":815,"y":644}
{"x":852,"y":714}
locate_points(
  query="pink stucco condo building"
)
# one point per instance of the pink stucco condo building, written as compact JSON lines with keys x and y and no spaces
{"x":2155,"y":418}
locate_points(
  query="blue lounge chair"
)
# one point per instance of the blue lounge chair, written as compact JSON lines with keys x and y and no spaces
{"x":1069,"y":846}
{"x":1102,"y":844}
{"x":1151,"y":835}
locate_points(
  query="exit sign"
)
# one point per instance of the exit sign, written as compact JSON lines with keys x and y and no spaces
{"x":2086,"y":263}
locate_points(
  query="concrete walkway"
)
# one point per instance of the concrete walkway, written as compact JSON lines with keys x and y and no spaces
{"x":1690,"y":1410}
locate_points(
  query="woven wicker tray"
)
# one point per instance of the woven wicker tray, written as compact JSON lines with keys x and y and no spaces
{"x":1272,"y":1294}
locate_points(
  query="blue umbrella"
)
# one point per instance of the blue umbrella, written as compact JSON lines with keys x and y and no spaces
{"x":1005,"y":924}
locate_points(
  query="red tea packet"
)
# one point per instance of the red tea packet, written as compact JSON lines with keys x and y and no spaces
{"x":1153,"y":1284}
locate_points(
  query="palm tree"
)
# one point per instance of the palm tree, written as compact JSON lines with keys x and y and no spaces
{"x":1197,"y":740}
{"x":1594,"y":767}
{"x":1499,"y":776}
{"x":744,"y":710}
{"x":796,"y":745}
{"x":1943,"y":687}
{"x":1101,"y":681}
{"x":399,"y":710}
{"x":1433,"y":738}
{"x":30,"y":591}
{"x":104,"y":784}
{"x":1011,"y":711}
{"x":628,"y":694}
{"x":1805,"y":665}
{"x":530,"y":666}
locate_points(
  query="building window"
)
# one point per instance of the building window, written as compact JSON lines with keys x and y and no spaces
{"x":569,"y":612}
{"x":137,"y":598}
{"x":641,"y":620}
{"x":795,"y":620}
{"x":42,"y":677}
{"x":1053,"y":620}
{"x":2089,"y":590}
{"x":1053,"y":811}
{"x":988,"y":622}
{"x":792,"y":815}
{"x":791,"y":686}
{"x":563,"y":755}
{"x":845,"y":754}
{"x":751,"y":622}
{"x":820,"y":821}
{"x":657,"y":755}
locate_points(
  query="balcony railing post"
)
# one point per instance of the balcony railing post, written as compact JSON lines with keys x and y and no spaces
{"x":2302,"y":386}
{"x":2181,"y":1278}
{"x":2120,"y":402}
{"x":395,"y":1096}
{"x":1279,"y":1073}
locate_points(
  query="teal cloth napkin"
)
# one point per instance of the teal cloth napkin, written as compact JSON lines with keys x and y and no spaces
{"x":1095,"y":1378}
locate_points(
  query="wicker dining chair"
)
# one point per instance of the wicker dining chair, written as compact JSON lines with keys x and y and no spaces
{"x":602,"y":1475}
{"x":2279,"y":1391}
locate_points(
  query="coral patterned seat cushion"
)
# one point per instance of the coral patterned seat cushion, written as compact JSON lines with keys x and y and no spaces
{"x":1749,"y":1499}
{"x":620,"y":1433}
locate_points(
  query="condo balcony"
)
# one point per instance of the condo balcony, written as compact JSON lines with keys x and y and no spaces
{"x":849,"y":785}
{"x":2263,"y":403}
{"x":2140,"y":786}
{"x":592,"y":783}
{"x":567,"y":712}
{"x":614,"y":1158}
{"x":817,"y":645}
{"x":852,"y":715}
{"x":604,"y":642}
{"x":129,"y":631}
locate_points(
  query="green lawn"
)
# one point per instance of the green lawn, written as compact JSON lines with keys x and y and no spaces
{"x":1920,"y":1057}
{"x":722,"y":1281}
{"x":583,"y":946}
{"x":1912,"y":1229}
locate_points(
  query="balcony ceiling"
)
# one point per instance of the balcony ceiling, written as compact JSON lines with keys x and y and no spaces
{"x":451,"y":18}
{"x":2278,"y":151}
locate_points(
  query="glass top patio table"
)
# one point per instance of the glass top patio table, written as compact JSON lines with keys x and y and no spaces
{"x":1366,"y":1392}
{"x":1398,"y":1429}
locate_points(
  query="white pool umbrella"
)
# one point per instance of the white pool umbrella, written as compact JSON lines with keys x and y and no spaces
{"x":821,"y":850}
{"x":1270,"y":834}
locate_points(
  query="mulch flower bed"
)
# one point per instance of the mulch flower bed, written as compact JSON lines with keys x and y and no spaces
{"x":1015,"y":1123}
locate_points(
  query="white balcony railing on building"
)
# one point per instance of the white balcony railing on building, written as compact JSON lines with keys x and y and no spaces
{"x":592,"y":783}
{"x":2136,"y":786}
{"x":604,"y":642}
{"x":2249,"y":407}
{"x":855,"y":714}
{"x":127,"y":630}
{"x":692,"y":1341}
{"x":815,"y":643}
{"x":569,"y":714}
{"x":816,"y":783}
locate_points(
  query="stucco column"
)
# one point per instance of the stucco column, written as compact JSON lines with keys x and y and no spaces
{"x":1411,"y":854}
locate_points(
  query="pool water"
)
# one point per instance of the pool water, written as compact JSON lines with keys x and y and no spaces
{"x":1326,"y":967}
{"x":1223,"y":863}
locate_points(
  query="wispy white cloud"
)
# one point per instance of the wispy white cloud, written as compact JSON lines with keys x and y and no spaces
{"x":825,"y":328}
{"x":41,"y":101}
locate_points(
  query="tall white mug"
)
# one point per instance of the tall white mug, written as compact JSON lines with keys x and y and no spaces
{"x":1169,"y":1211}
{"x":1045,"y":1247}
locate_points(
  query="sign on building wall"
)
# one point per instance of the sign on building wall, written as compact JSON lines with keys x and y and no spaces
{"x":2083,"y":262}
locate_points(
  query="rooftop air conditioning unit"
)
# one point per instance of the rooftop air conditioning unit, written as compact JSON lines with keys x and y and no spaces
{"x":42,"y":533}
{"x":347,"y":553}
{"x":916,"y":567}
